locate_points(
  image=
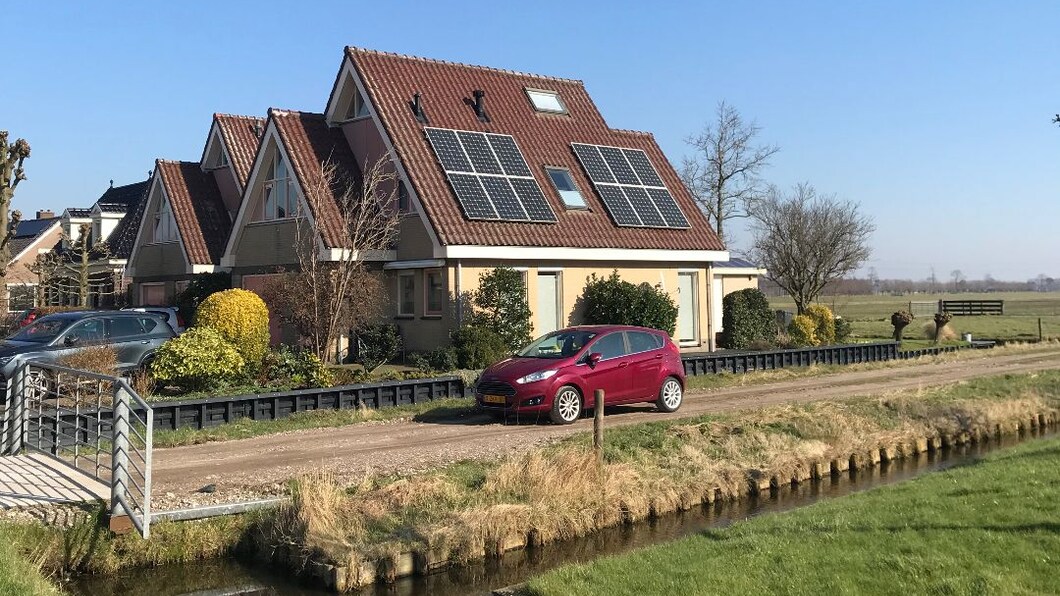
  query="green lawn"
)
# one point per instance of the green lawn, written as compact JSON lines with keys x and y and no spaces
{"x":870,"y":315}
{"x":988,"y":528}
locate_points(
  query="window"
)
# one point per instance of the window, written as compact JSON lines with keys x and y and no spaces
{"x":404,"y":205}
{"x":149,"y":323}
{"x":21,"y":298}
{"x":546,"y":101}
{"x":165,"y":225}
{"x":88,"y":331}
{"x":222,"y":159}
{"x":640,"y":341}
{"x":568,"y":192}
{"x":281,"y":198}
{"x":688,"y":309}
{"x":406,"y":294}
{"x":549,"y":301}
{"x":609,"y":346}
{"x":125,"y":327}
{"x":358,"y":107}
{"x":435,"y":292}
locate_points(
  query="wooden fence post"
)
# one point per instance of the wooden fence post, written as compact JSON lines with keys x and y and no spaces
{"x":1040,"y":336}
{"x":598,"y":424}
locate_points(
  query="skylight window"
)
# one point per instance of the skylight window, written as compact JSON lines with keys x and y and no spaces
{"x":546,"y":101}
{"x":568,"y":192}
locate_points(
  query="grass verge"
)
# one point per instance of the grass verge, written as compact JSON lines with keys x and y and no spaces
{"x":988,"y":528}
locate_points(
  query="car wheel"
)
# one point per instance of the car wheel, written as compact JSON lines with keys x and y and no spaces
{"x":670,"y":395}
{"x":38,"y":383}
{"x":566,"y":406}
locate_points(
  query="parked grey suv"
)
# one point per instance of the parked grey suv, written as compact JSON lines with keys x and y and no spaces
{"x":134,"y":336}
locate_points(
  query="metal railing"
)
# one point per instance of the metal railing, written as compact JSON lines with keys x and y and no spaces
{"x":93,"y":423}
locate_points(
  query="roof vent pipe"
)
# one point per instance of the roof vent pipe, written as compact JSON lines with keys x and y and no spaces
{"x":480,"y":105}
{"x":417,"y":108}
{"x":257,"y":129}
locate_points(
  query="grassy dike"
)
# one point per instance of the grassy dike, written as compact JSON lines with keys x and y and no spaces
{"x":385,"y":526}
{"x":987,"y":528}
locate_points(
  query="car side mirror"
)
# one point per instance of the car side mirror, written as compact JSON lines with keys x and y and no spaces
{"x":594,"y":359}
{"x":70,"y":340}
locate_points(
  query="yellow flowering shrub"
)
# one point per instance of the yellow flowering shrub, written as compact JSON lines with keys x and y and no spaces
{"x":803,"y":331}
{"x":242,"y":318}
{"x":823,"y":323}
{"x":198,"y":359}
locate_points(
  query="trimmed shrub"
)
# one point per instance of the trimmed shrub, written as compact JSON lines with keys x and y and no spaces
{"x":478,"y":347}
{"x":499,"y":303}
{"x":940,"y":329}
{"x":843,"y":330}
{"x":98,"y":359}
{"x":900,"y":320}
{"x":295,"y":367}
{"x":199,"y":288}
{"x":199,"y":359}
{"x":242,"y":319}
{"x":377,"y":345}
{"x":611,"y":301}
{"x":802,"y":331}
{"x":747,"y":320}
{"x":823,"y":323}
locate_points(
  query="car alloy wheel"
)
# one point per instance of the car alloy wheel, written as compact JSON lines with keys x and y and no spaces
{"x":670,"y":395}
{"x":567,"y":406}
{"x":37,"y":384}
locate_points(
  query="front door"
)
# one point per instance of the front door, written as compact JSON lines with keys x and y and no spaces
{"x":548,"y":302}
{"x":687,"y":309}
{"x":612,"y":372}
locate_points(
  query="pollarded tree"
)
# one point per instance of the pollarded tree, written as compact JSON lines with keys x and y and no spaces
{"x":806,"y":240}
{"x":12,"y":157}
{"x":76,"y":280}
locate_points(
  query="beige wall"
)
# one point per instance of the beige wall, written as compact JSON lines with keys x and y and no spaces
{"x":153,"y":260}
{"x":230,"y":192}
{"x":267,"y":244}
{"x":422,"y":333}
{"x":414,"y":243}
{"x":735,"y":283}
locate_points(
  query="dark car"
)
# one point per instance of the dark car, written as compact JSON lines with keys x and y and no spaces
{"x":558,"y":373}
{"x":134,"y":336}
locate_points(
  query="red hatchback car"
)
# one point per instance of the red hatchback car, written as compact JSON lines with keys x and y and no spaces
{"x":558,"y":373}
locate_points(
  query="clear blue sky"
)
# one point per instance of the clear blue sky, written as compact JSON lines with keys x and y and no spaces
{"x":933,"y":116}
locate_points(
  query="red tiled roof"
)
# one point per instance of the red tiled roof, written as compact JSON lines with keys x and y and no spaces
{"x":309,"y":143}
{"x":392,"y":79}
{"x":200,"y":213}
{"x":241,"y":142}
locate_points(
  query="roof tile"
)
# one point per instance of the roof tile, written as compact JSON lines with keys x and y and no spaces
{"x":200,"y":213}
{"x":241,"y":140}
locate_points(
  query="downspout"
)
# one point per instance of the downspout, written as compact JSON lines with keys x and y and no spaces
{"x":710,"y":307}
{"x":459,"y":296}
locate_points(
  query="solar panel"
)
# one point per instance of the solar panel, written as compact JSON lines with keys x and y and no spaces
{"x":489,"y":175}
{"x":630,"y":187}
{"x":448,"y":150}
{"x":593,"y":163}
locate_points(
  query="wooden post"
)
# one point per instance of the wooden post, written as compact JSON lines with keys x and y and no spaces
{"x":1040,"y":337}
{"x":598,"y":423}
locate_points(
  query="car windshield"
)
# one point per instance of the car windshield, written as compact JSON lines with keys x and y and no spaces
{"x":558,"y":344}
{"x":43,"y":330}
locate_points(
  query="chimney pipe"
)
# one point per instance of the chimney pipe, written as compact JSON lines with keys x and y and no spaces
{"x":45,"y":214}
{"x":480,"y":105}
{"x":257,"y":130}
{"x":417,"y":107}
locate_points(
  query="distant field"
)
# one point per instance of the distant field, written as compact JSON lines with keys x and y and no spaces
{"x":870,"y":315}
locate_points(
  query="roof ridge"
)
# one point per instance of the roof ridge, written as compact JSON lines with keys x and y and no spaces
{"x":226,"y":115}
{"x":639,"y":133}
{"x":286,"y":112}
{"x":520,"y":73}
{"x":176,"y":161}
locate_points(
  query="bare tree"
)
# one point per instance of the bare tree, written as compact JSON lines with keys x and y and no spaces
{"x":724,"y":173}
{"x":958,"y":278}
{"x":334,"y":289}
{"x":806,"y":240}
{"x":77,"y":278}
{"x":12,"y":157}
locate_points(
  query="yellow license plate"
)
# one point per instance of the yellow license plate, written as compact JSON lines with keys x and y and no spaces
{"x":493,"y":399}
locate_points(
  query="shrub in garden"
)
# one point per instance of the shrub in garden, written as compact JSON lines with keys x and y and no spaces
{"x":802,"y":331}
{"x":199,"y":288}
{"x":377,"y":345}
{"x":823,"y":323}
{"x":900,"y":320}
{"x":747,"y":320}
{"x":939,"y":329}
{"x":843,"y":330}
{"x":242,"y":319}
{"x":611,"y":301}
{"x":499,"y":303}
{"x":199,"y":359}
{"x":295,"y":367}
{"x":439,"y":360}
{"x":478,"y":347}
{"x":98,"y":359}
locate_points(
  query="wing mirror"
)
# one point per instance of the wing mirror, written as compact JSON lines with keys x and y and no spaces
{"x":593,"y":359}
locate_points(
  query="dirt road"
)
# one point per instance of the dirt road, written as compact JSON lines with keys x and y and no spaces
{"x":260,"y":466}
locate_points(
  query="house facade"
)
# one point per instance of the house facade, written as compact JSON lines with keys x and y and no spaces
{"x":493,"y":167}
{"x":33,"y":237}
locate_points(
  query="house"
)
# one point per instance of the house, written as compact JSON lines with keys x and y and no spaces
{"x":33,"y":237}
{"x":493,"y":167}
{"x":188,"y":211}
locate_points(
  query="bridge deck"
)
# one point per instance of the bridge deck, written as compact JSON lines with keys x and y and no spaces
{"x":35,"y":479}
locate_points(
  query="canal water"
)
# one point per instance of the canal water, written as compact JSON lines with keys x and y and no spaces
{"x":236,"y":577}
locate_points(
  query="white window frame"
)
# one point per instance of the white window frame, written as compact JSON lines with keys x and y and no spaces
{"x":165,"y":228}
{"x":273,"y":181}
{"x":544,"y":95}
{"x":563,"y":194}
{"x":358,"y":108}
{"x":402,"y":277}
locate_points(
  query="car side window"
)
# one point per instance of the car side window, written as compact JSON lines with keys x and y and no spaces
{"x":149,"y":324}
{"x":125,"y":327}
{"x":610,"y":346}
{"x":640,"y":341}
{"x":88,"y":331}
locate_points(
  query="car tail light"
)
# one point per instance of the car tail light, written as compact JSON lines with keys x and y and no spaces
{"x":180,"y":320}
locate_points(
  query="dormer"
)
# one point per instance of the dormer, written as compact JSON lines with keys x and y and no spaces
{"x":229,"y":153}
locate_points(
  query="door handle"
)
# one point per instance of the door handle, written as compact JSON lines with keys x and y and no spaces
{"x":144,"y":342}
{"x":623,"y":364}
{"x":658,"y":356}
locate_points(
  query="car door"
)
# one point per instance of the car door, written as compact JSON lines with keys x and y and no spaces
{"x":612,"y":372}
{"x":645,"y":363}
{"x":82,"y":335}
{"x":127,"y":337}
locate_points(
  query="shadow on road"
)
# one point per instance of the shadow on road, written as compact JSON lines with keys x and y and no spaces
{"x":470,"y":417}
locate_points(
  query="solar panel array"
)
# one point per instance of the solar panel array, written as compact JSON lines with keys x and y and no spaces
{"x":490,"y":176}
{"x":631,"y":189}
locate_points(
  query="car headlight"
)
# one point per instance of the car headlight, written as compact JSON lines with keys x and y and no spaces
{"x":537,"y":376}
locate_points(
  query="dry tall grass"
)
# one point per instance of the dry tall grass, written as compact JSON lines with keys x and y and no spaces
{"x":98,"y":359}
